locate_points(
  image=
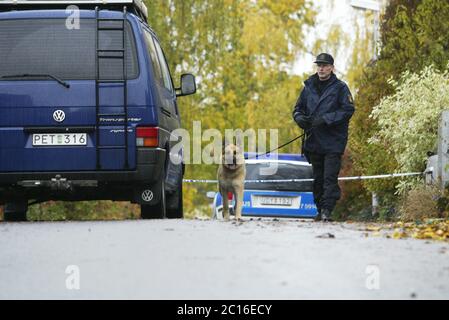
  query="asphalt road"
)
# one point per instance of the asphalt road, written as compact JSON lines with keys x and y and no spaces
{"x":195,"y":259}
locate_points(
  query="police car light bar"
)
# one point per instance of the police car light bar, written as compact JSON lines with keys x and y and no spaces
{"x":16,"y":4}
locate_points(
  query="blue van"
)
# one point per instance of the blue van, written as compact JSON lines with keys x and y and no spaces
{"x":87,"y":107}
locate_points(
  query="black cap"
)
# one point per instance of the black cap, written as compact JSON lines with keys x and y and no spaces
{"x":324,"y":58}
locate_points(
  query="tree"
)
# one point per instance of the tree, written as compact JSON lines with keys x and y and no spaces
{"x":415,"y":34}
{"x":242,"y":53}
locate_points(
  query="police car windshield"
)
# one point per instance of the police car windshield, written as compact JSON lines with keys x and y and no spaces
{"x":279,"y":171}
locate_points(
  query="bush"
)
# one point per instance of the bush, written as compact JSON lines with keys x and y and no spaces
{"x":83,"y":210}
{"x":422,"y":202}
{"x":414,"y":34}
{"x":408,"y":120}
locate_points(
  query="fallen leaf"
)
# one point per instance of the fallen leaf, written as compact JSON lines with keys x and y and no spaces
{"x":326,"y":236}
{"x":430,"y":229}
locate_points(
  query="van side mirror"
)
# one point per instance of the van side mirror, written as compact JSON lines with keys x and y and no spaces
{"x":188,"y":85}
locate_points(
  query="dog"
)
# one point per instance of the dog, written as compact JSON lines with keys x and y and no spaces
{"x":231,"y":178}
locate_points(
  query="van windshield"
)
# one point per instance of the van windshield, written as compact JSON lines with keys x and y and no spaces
{"x":47,"y":46}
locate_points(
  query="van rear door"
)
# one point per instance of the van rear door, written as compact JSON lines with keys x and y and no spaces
{"x":45,"y":126}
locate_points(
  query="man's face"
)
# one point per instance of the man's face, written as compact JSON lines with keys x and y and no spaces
{"x":324,"y":70}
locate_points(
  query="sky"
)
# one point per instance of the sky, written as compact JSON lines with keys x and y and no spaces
{"x":342,"y":14}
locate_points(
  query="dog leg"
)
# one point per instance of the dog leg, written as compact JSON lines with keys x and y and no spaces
{"x":238,"y":195}
{"x":224,"y":196}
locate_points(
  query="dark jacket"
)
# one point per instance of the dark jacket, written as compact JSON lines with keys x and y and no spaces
{"x":335,"y":106}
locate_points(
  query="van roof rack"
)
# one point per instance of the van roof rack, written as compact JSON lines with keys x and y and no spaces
{"x":136,"y":6}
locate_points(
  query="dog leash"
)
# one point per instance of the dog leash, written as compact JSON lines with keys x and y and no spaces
{"x":285,"y":144}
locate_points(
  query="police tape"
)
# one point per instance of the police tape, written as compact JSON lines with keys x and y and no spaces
{"x":380,"y":176}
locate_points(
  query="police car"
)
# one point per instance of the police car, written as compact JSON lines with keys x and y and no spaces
{"x":273,"y":199}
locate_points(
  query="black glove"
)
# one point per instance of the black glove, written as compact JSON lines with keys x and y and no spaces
{"x":318,"y":121}
{"x":305,"y":122}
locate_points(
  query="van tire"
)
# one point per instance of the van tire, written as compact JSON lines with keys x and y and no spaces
{"x":157,"y":211}
{"x":174,"y":203}
{"x":15,"y":211}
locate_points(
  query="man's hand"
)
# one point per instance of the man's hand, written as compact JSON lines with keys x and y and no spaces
{"x":305,"y":122}
{"x":318,"y":121}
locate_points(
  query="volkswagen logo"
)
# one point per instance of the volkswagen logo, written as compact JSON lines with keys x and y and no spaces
{"x":147,"y":195}
{"x":59,"y":115}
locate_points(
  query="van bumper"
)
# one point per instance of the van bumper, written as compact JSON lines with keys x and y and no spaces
{"x":150,"y":163}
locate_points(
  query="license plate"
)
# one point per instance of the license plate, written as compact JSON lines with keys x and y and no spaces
{"x":276,"y":201}
{"x":59,"y":139}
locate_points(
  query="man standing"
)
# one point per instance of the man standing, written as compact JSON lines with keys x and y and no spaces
{"x":323,"y":110}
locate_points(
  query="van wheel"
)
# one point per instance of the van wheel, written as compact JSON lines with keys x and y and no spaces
{"x":157,"y":211}
{"x":174,"y":203}
{"x":15,"y":211}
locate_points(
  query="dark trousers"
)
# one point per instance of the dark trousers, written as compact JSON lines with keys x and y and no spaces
{"x":326,"y":190}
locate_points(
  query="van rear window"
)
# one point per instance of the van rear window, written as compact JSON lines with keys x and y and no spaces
{"x":47,"y":46}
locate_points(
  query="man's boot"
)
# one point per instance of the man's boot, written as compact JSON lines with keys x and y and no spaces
{"x":326,"y":215}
